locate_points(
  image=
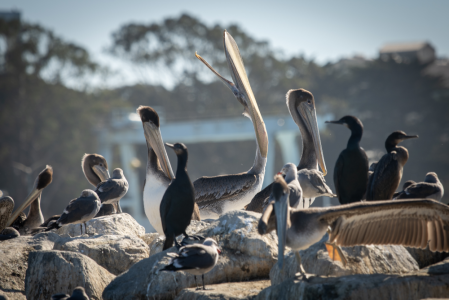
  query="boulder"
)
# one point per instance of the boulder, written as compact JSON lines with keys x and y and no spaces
{"x":14,"y":261}
{"x":425,"y":257}
{"x":361,"y":260}
{"x":120,"y":224}
{"x":246,"y":255}
{"x":431,"y":282}
{"x":52,"y":272}
{"x":116,"y":253}
{"x":226,"y":291}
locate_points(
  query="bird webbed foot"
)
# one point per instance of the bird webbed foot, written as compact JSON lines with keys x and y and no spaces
{"x":335,"y":253}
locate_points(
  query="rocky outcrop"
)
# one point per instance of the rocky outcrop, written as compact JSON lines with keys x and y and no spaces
{"x":116,"y":253}
{"x":361,"y":260}
{"x":425,"y":257}
{"x":51,"y":272}
{"x":431,"y":282}
{"x":246,"y":255}
{"x":116,"y":224}
{"x":14,"y":261}
{"x":226,"y":291}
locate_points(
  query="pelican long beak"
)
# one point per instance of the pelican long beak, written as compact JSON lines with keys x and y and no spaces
{"x":154,"y":138}
{"x":34,"y":194}
{"x":241,"y":81}
{"x":309,"y":115}
{"x":101,"y":172}
{"x":281,"y":210}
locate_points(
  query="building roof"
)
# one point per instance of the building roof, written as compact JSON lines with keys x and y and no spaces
{"x":404,"y":47}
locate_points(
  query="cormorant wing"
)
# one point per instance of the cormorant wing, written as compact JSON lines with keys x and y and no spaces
{"x":338,"y":173}
{"x":209,"y":190}
{"x":413,"y":223}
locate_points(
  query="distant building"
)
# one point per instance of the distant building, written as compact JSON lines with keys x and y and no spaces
{"x":423,"y":52}
{"x":347,"y":63}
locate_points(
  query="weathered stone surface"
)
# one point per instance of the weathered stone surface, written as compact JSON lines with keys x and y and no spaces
{"x":226,"y":291}
{"x":148,"y":238}
{"x":120,"y":224}
{"x":116,"y":253}
{"x":431,"y":282}
{"x":425,"y":257}
{"x":14,"y":261}
{"x":246,"y":255}
{"x":361,"y":260}
{"x":52,"y":272}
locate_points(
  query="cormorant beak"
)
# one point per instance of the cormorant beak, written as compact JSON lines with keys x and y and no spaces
{"x":101,"y":172}
{"x":309,"y":115}
{"x":170,"y":145}
{"x":42,"y":181}
{"x":335,"y":122}
{"x":154,"y":139}
{"x":410,"y":137}
{"x":242,"y":89}
{"x":281,"y":211}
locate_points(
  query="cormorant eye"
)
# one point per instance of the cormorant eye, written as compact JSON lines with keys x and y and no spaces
{"x":309,"y":101}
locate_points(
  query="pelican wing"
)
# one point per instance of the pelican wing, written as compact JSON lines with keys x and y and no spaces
{"x":419,"y":190}
{"x":414,"y":223}
{"x":209,"y":190}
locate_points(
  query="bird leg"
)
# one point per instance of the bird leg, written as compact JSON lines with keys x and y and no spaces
{"x":196,"y":283}
{"x":81,"y":229}
{"x":301,"y":269}
{"x":119,"y":209}
{"x":204,"y":287}
{"x":310,"y":201}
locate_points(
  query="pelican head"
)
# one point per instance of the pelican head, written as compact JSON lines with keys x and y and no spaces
{"x":301,"y":105}
{"x":95,"y":168}
{"x":280,"y":193}
{"x":242,"y":89}
{"x":151,"y":130}
{"x":42,"y":181}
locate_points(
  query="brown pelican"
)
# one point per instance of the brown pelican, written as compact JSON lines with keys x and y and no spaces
{"x":196,"y":259}
{"x":388,"y":171}
{"x":219,"y":194}
{"x":301,"y":105}
{"x":34,"y":217}
{"x":78,"y":294}
{"x":178,"y":201}
{"x":351,"y":168}
{"x":413,"y":223}
{"x":79,"y":210}
{"x":159,"y":173}
{"x":431,"y":188}
{"x":95,"y":169}
{"x":113,"y":189}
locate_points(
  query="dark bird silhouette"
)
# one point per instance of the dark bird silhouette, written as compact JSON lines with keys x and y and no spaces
{"x":414,"y":223}
{"x":388,"y":171}
{"x":34,"y":217}
{"x":178,"y":201}
{"x":351,"y":168}
{"x":196,"y":259}
{"x":431,"y":188}
{"x":78,"y":294}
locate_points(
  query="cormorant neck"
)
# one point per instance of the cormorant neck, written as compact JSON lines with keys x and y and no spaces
{"x":308,"y":157}
{"x":181,"y":169}
{"x":390,"y":145}
{"x":356,"y":137}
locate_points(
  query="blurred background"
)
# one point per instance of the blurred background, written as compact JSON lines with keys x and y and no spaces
{"x":73,"y":74}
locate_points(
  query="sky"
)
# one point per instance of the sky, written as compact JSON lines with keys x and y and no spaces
{"x":322,"y":30}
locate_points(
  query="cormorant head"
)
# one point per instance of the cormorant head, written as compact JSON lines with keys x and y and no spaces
{"x":179,"y":148}
{"x":351,"y":122}
{"x":396,"y":137}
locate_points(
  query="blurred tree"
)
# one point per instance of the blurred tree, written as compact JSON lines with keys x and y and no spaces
{"x":41,"y":121}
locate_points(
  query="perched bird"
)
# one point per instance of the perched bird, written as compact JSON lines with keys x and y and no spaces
{"x":404,"y":186}
{"x":351,"y":168}
{"x":78,"y":294}
{"x":113,"y":189}
{"x":413,"y":223}
{"x":8,"y":233}
{"x":291,"y":178}
{"x":388,"y":171}
{"x":95,"y":169}
{"x":301,"y":105}
{"x":6,"y":207}
{"x":196,"y":259}
{"x":431,"y":188}
{"x":178,"y":201}
{"x":79,"y":210}
{"x":216,"y":195}
{"x":34,"y":217}
{"x":159,"y":173}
